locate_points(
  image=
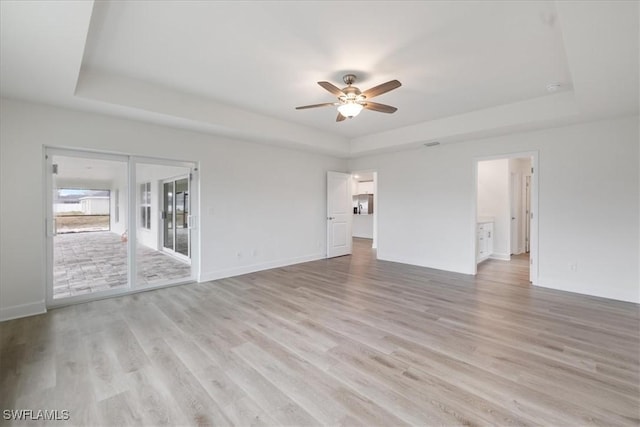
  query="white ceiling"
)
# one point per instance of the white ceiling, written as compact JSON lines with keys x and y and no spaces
{"x":88,"y":173}
{"x":89,"y":169}
{"x":240,"y":68}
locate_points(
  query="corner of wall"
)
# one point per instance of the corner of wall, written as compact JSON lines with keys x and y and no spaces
{"x":247,"y":269}
{"x":22,"y":310}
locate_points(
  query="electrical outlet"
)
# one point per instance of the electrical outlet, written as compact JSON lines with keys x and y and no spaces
{"x":573,"y":266}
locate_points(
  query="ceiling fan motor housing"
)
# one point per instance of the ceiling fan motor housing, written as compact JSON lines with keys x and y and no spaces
{"x":349,"y":79}
{"x":351,"y":92}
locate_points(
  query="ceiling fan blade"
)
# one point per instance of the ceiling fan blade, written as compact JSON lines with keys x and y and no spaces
{"x":304,"y":107}
{"x":331,"y":88}
{"x":340,"y":117}
{"x":383,"y":88}
{"x":382,"y":108}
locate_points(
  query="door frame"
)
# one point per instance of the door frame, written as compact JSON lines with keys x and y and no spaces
{"x":376,"y":202}
{"x":516,"y":217}
{"x":527,"y":209}
{"x":533,"y":244}
{"x":173,"y":252}
{"x":131,"y":162}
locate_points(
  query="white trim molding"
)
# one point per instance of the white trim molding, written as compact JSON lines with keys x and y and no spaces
{"x":22,"y":310}
{"x":238,"y":271}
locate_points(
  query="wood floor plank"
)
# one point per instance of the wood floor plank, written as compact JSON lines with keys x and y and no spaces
{"x":355,"y":405}
{"x":347,"y":341}
{"x":306,"y":395}
{"x":192,"y":398}
{"x":438,"y":398}
{"x":152,"y":399}
{"x":266,"y":395}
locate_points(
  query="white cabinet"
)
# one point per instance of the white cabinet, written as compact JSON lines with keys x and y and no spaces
{"x":362,"y":226}
{"x":484,"y":241}
{"x":365,"y":187}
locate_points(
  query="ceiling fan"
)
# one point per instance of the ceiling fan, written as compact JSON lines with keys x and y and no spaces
{"x":351,"y":101}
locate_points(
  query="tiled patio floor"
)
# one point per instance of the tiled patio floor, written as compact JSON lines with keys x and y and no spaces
{"x":97,"y":261}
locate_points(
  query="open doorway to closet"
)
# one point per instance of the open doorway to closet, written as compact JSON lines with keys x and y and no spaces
{"x":505,"y":222}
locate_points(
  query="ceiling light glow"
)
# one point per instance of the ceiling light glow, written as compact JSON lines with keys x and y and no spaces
{"x":350,"y":109}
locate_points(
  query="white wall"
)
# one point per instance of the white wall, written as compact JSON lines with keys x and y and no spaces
{"x":493,"y":201}
{"x":261,"y":206}
{"x":588,"y":204}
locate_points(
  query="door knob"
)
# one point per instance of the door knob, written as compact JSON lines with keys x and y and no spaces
{"x":331,"y":217}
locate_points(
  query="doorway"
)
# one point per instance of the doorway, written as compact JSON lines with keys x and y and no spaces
{"x":104,"y":224}
{"x":520,"y":202}
{"x":87,"y":255}
{"x":504,"y":214}
{"x":351,"y":211}
{"x":365,"y":206}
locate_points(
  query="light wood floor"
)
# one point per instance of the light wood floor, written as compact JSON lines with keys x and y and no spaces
{"x":347,"y":341}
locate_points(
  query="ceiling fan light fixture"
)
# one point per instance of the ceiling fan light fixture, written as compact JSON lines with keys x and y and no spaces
{"x":351,"y":101}
{"x":350,"y":109}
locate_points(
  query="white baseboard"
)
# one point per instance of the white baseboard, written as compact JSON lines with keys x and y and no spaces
{"x":363,"y":236}
{"x":632,"y":297}
{"x":246,"y":269}
{"x":501,"y":257}
{"x":421,"y":263}
{"x":22,"y":310}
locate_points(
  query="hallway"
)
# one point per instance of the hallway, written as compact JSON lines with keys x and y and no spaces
{"x":514,"y":272}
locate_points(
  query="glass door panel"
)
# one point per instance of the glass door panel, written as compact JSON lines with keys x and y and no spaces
{"x":88,"y":230}
{"x":161,"y":213}
{"x":168,"y":215}
{"x":182,"y":216}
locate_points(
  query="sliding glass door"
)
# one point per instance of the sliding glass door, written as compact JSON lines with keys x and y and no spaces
{"x":89,"y":254}
{"x":175,"y":193}
{"x":163,"y":215}
{"x":116,"y":224}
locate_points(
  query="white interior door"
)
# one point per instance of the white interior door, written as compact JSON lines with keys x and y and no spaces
{"x":339,"y":214}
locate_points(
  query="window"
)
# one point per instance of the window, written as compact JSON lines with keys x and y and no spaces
{"x":145,"y":205}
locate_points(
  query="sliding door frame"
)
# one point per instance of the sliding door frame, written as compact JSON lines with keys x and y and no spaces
{"x":131,"y":215}
{"x":172,"y":251}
